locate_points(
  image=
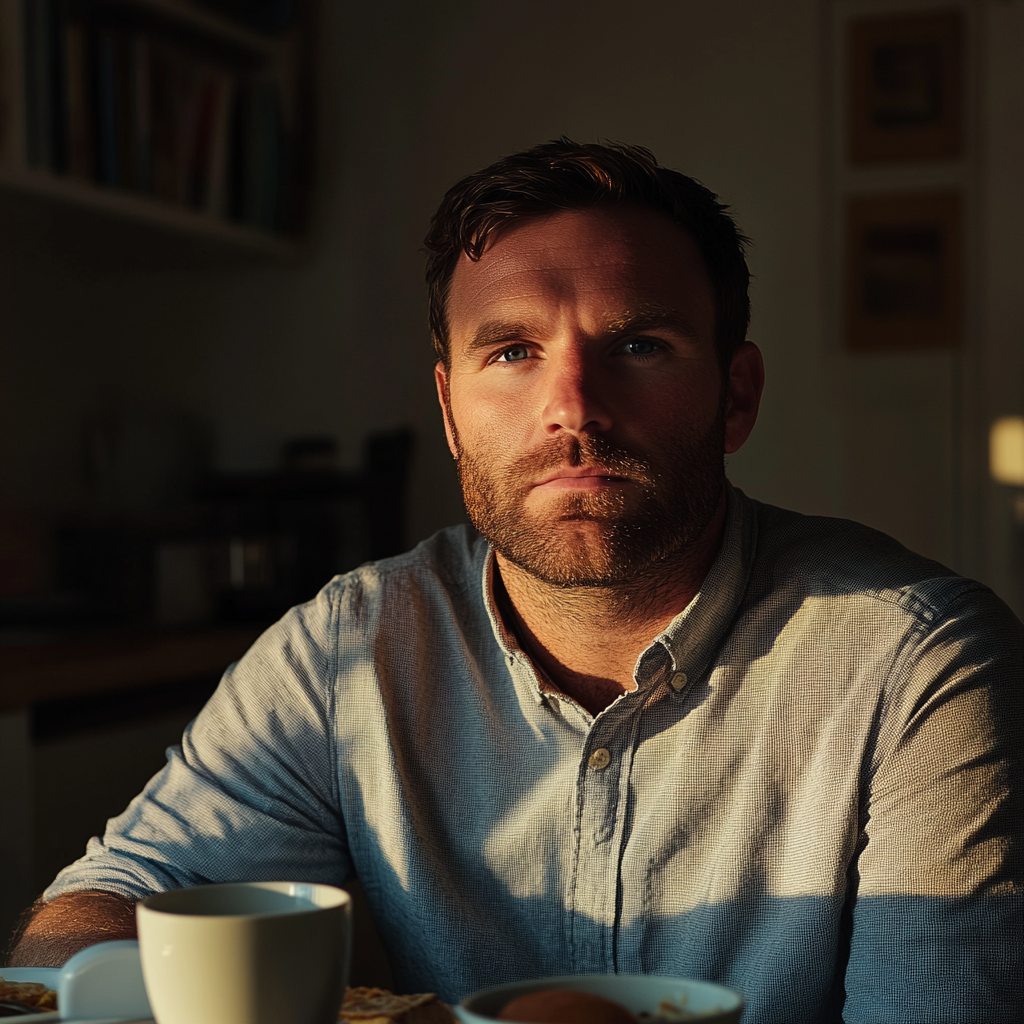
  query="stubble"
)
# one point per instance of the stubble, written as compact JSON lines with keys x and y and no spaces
{"x":596,"y":539}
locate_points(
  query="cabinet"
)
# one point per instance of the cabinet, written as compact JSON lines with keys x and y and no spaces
{"x":191,"y":116}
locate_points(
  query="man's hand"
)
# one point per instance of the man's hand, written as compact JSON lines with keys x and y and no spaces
{"x":51,"y":933}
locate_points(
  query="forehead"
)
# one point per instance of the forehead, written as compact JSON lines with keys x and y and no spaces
{"x":598,"y":261}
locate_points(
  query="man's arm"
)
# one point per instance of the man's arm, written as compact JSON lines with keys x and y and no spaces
{"x":51,"y":933}
{"x":251,"y":791}
{"x":939,"y":908}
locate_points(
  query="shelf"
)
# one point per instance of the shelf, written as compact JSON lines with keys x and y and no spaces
{"x":158,"y":112}
{"x":140,"y":209}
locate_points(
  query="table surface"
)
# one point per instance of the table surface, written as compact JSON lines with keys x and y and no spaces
{"x":116,"y":660}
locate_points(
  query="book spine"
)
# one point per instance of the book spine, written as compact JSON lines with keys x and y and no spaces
{"x":80,"y":106}
{"x":162,"y":128}
{"x":123,"y":89}
{"x":142,"y":114}
{"x":261,"y":138}
{"x":186,"y":120}
{"x":12,"y":84}
{"x":237,"y":118}
{"x":218,"y":168}
{"x":37,"y":80}
{"x":57,"y":115}
{"x":108,"y":171}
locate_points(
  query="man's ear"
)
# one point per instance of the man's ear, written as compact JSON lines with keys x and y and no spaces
{"x":441,"y":379}
{"x":743,"y":397}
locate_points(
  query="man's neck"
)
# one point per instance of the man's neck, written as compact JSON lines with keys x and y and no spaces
{"x":586,"y":640}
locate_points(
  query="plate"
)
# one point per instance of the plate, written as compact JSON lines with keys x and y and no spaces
{"x":101,"y":984}
{"x":48,"y":976}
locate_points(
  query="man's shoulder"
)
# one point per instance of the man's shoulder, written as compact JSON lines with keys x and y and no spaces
{"x":438,"y":585}
{"x":830,"y":557}
{"x":449,"y":562}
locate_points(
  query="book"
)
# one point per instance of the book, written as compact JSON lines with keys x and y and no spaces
{"x":140,"y":113}
{"x":207,"y":150}
{"x":57,"y":68}
{"x":108,"y":169}
{"x":12,"y":105}
{"x":218,"y":169}
{"x":38,"y":101}
{"x":260,"y":143}
{"x":81,"y":126}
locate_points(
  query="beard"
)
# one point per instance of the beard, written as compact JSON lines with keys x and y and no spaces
{"x":603,"y":538}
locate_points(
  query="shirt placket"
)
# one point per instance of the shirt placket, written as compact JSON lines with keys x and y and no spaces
{"x":601,"y":794}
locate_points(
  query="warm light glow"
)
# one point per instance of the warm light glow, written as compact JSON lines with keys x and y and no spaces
{"x":1006,"y":450}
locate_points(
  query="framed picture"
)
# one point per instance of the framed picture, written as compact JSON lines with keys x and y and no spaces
{"x":904,"y":272}
{"x":905,"y":87}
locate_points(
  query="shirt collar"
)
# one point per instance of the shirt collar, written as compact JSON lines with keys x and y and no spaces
{"x":694,"y":636}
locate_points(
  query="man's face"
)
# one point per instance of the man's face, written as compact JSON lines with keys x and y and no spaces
{"x":584,"y":401}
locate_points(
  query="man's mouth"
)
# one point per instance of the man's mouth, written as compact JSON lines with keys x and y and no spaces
{"x":580,"y":478}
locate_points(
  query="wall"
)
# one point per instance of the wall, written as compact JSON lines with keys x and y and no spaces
{"x":727,"y":92}
{"x":999,"y":548}
{"x":735,"y":92}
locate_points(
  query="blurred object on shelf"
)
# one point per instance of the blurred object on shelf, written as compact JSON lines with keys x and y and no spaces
{"x":160,"y":544}
{"x":108,"y":565}
{"x":280,"y":536}
{"x":183,"y":583}
{"x":305,"y":454}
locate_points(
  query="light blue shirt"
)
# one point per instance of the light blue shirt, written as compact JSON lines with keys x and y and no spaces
{"x":813,"y":796}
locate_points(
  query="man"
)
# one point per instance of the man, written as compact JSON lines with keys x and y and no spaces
{"x":652,"y":726}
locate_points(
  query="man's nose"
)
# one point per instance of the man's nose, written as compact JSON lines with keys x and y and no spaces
{"x":575,"y":398}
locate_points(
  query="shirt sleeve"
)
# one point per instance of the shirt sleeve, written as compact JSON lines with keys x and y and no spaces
{"x":937,"y":927}
{"x":250,"y":794}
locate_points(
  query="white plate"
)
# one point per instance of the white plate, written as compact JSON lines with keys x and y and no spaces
{"x":102,"y":984}
{"x":48,"y":976}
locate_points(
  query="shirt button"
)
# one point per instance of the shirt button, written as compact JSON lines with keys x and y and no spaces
{"x":600,"y":759}
{"x":678,"y":681}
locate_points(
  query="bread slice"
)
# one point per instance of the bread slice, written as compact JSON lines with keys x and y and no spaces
{"x":28,"y":993}
{"x":378,"y":1006}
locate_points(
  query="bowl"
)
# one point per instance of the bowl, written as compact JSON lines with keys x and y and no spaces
{"x":666,"y":999}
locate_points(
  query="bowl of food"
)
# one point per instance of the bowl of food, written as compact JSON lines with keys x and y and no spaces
{"x":603,"y":999}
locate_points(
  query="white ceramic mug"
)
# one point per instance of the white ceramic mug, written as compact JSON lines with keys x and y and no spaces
{"x":246,"y":953}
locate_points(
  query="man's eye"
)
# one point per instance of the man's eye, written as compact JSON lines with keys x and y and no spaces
{"x":641,"y":347}
{"x":515,"y":354}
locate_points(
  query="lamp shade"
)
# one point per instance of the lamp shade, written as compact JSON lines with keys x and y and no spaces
{"x":1006,"y":450}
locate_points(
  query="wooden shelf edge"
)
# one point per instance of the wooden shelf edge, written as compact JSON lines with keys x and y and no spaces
{"x":144,"y":211}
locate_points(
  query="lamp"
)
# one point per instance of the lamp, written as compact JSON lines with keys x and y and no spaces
{"x":1006,"y":450}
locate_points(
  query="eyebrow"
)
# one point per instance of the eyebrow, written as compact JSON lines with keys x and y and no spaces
{"x":648,"y":317}
{"x":498,"y":332}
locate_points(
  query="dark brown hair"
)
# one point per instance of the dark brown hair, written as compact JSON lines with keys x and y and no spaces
{"x":566,"y":175}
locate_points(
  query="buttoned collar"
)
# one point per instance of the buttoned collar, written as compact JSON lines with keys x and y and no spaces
{"x":683,"y":651}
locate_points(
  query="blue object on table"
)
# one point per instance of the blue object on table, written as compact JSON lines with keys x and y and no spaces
{"x":104,"y":982}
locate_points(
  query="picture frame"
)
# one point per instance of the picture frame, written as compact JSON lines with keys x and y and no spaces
{"x":904,"y":272}
{"x":905,"y":87}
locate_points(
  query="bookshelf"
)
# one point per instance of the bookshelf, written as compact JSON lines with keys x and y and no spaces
{"x":185,"y":115}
